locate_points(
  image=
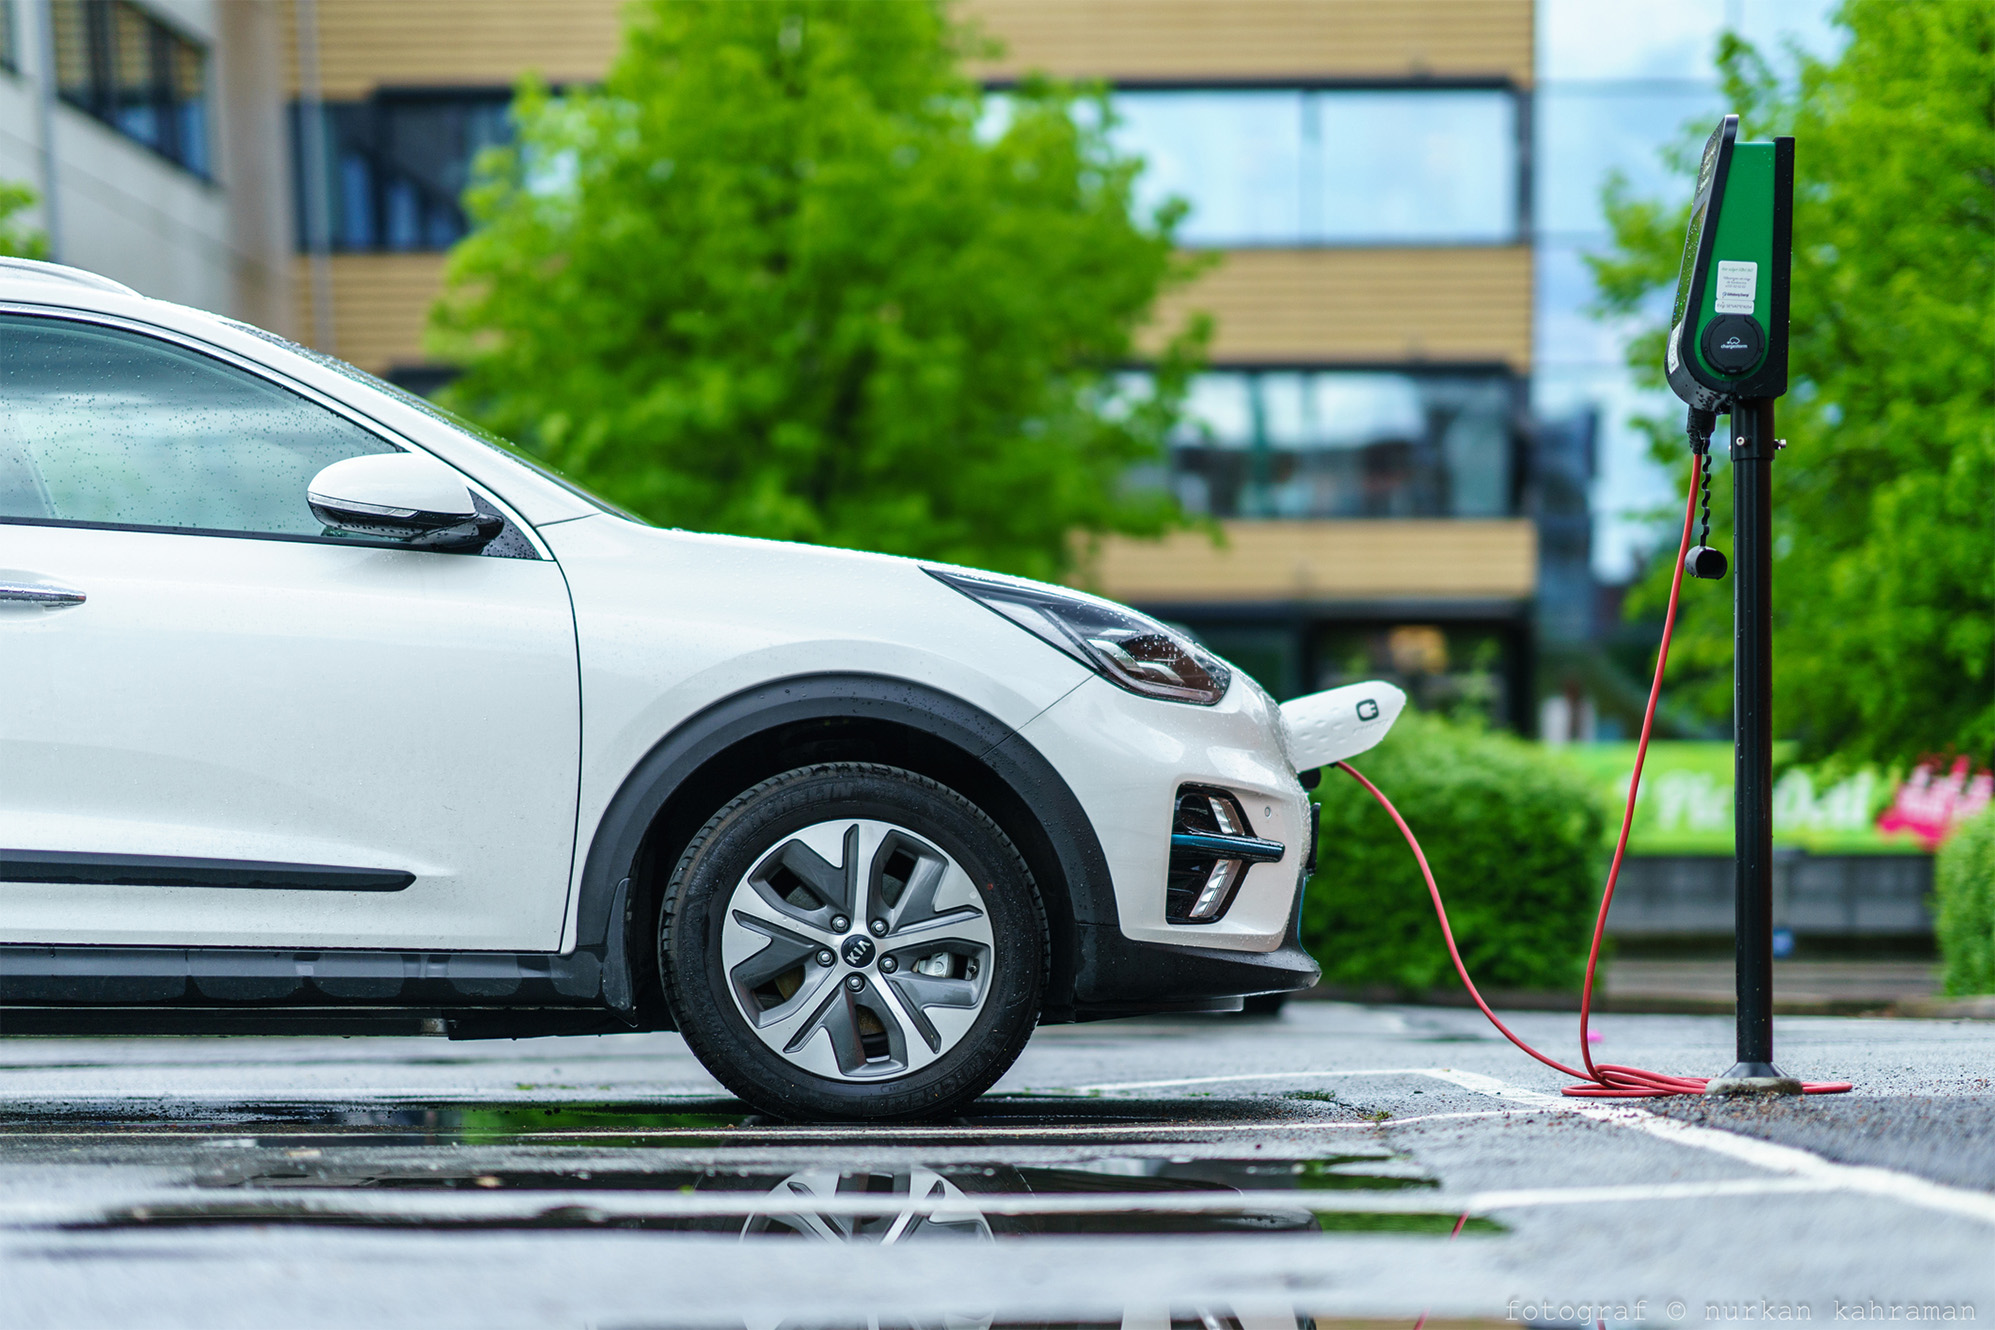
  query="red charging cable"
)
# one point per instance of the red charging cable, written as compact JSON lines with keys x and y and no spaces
{"x":1605,"y":1080}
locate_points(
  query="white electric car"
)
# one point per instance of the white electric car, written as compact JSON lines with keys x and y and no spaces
{"x":320,"y":711}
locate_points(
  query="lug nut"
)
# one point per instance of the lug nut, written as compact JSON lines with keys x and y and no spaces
{"x":825,"y":957}
{"x":855,"y":982}
{"x":879,"y":927}
{"x":889,"y":964}
{"x":839,"y":923}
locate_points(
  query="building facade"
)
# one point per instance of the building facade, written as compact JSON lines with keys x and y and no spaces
{"x":1363,"y":166}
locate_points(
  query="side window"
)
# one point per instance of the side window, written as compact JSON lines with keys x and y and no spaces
{"x":103,"y":426}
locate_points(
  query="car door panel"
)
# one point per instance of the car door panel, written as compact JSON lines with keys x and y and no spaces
{"x":288,"y":702}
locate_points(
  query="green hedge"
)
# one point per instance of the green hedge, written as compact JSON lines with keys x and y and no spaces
{"x":1964,"y":906}
{"x":1515,"y":837}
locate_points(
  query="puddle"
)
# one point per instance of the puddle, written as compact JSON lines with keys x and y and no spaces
{"x":961,"y":1222}
{"x":1111,"y":1195}
{"x":1124,"y":1166}
{"x":688,"y":1123}
{"x":1107,"y":1176}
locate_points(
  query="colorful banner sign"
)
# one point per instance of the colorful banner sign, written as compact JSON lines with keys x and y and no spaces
{"x":1686,"y":802}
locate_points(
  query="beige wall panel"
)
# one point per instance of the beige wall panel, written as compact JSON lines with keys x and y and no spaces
{"x":429,"y":43}
{"x":1193,"y":39}
{"x":1337,"y":560}
{"x":380,"y":305}
{"x":254,"y":163}
{"x":364,"y":44}
{"x":1470,"y":304}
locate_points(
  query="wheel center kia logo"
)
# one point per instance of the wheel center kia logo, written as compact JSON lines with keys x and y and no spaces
{"x":858,"y":951}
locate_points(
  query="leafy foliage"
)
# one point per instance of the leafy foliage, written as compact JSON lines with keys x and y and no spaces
{"x":1513,"y":834}
{"x":780,"y":276}
{"x":1964,"y":899}
{"x":17,"y":240}
{"x":1884,"y":556}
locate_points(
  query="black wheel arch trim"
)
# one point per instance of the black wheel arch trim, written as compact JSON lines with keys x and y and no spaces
{"x":1084,"y":891}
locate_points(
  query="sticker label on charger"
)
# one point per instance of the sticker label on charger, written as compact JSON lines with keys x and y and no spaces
{"x":1738,"y":287}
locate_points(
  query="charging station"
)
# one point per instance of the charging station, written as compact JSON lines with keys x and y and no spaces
{"x":1727,"y":354}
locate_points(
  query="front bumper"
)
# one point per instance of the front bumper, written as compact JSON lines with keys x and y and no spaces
{"x":1125,"y":758}
{"x":1119,"y":976}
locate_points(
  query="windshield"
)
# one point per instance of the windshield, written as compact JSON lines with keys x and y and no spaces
{"x":446,"y":416}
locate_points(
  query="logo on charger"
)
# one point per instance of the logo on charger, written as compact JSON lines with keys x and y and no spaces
{"x":1732,"y":343}
{"x":1368,"y":710}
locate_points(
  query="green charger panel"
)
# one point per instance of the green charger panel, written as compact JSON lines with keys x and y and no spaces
{"x":1728,"y":329}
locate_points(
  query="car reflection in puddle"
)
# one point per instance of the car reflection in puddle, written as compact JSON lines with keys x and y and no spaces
{"x":1022,"y":1165}
{"x":1113,"y":1195}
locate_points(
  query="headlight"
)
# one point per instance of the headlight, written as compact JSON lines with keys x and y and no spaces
{"x":1121,"y":645}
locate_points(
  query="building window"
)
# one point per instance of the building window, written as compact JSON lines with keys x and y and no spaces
{"x":397,"y":165}
{"x":1330,"y":166}
{"x":1347,"y":443}
{"x":135,"y":74}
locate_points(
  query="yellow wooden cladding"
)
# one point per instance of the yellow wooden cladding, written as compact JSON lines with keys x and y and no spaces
{"x":1383,"y":305}
{"x":1273,"y":39}
{"x":1469,"y":304}
{"x":1446,"y":559}
{"x":380,"y":304}
{"x":365,"y":44}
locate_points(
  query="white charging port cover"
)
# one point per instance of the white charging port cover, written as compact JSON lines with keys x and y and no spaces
{"x":1342,"y":722}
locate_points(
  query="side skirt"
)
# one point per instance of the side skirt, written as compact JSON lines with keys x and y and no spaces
{"x":469,"y":994}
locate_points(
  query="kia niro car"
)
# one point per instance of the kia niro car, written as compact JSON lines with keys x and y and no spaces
{"x":319,"y":710}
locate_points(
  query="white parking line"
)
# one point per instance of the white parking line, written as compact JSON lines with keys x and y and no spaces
{"x":1802,"y":1165}
{"x":1258,"y":1076}
{"x":1863,"y":1179}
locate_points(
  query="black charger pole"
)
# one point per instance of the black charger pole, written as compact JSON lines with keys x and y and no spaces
{"x":1753,"y":447}
{"x":1728,"y":353}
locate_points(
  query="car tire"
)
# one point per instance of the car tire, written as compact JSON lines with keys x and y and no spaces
{"x":853,"y":941}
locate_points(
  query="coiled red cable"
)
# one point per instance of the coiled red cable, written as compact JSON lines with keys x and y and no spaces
{"x":1605,"y":1080}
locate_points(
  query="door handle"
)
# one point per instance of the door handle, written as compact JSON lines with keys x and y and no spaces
{"x":46,"y":595}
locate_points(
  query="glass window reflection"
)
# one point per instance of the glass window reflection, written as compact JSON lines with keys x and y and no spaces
{"x":1328,"y":167}
{"x":399,"y":165}
{"x":1347,"y":443}
{"x":134,"y":73}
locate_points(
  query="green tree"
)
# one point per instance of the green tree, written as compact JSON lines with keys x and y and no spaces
{"x":1964,"y":907}
{"x":781,"y":276}
{"x":16,"y":239}
{"x":1884,"y":559}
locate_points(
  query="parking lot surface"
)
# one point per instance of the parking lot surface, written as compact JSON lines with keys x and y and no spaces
{"x":1337,"y":1162}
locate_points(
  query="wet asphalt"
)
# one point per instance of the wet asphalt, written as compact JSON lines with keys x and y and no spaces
{"x":1334,"y":1163}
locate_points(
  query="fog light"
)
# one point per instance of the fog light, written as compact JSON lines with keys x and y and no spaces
{"x":1217,"y":890}
{"x":1212,"y":845}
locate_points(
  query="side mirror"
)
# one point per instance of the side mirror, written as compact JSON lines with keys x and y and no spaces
{"x":404,"y":497}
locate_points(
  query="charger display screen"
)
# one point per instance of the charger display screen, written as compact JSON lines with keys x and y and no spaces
{"x":1700,"y":208}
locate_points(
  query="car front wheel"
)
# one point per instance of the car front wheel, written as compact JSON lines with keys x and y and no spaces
{"x":853,"y":941}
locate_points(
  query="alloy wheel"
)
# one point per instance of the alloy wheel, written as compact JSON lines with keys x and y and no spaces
{"x":857,"y":950}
